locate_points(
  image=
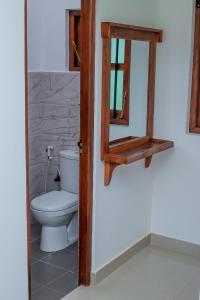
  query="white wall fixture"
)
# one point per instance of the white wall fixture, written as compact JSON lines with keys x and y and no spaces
{"x":49,"y":152}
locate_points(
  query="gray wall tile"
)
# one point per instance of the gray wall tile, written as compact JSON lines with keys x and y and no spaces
{"x":54,"y":119}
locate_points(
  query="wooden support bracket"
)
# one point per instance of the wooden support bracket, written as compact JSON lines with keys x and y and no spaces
{"x":109,"y":168}
{"x":148,"y":161}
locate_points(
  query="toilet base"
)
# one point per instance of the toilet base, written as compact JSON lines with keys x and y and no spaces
{"x":53,"y":238}
{"x":58,"y":238}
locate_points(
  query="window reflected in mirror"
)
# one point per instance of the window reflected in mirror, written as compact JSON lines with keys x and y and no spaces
{"x":120,"y":81}
{"x":128,"y":88}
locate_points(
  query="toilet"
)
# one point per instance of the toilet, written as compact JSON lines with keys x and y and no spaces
{"x":57,"y":211}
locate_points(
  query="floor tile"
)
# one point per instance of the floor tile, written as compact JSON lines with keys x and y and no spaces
{"x":191,"y":291}
{"x":153,"y":274}
{"x":169,"y":275}
{"x":35,"y":287}
{"x":35,"y":231}
{"x":64,"y":259}
{"x":43,"y":273}
{"x":33,"y":260}
{"x":66,"y":283}
{"x":73,"y":247}
{"x":75,"y":269}
{"x":36,"y":252}
{"x":47,"y":294}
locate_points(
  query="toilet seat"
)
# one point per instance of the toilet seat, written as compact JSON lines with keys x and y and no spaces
{"x":55,"y":201}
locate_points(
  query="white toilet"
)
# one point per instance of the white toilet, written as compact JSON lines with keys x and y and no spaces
{"x":57,"y":211}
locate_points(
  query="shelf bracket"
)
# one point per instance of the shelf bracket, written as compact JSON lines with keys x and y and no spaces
{"x":109,"y":168}
{"x":148,"y":161}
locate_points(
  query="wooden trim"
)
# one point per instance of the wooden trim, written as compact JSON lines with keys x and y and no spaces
{"x":28,"y":209}
{"x":151,"y":89}
{"x":76,"y":13}
{"x":195,"y":98}
{"x":131,"y":32}
{"x":105,"y":108}
{"x":129,"y":153}
{"x":72,"y":36}
{"x":119,"y":120}
{"x":132,"y":154}
{"x":121,"y":140}
{"x":195,"y":130}
{"x":127,"y":76}
{"x":121,"y":67}
{"x":128,"y":149}
{"x":129,"y":145}
{"x":87,"y":128}
{"x":88,"y":25}
{"x":151,"y":96}
{"x":108,"y":171}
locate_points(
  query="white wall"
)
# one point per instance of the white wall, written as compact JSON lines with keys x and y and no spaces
{"x":176,"y":199}
{"x":122,"y":211}
{"x":48,"y":34}
{"x":13,"y":244}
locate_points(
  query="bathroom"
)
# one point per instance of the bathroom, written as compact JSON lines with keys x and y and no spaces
{"x":145,"y":222}
{"x":54,"y":133}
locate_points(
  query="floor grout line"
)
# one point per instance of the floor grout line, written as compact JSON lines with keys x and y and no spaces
{"x":55,"y":279}
{"x":55,"y":266}
{"x":72,"y":270}
{"x":39,"y":260}
{"x":43,"y":286}
{"x":46,"y":287}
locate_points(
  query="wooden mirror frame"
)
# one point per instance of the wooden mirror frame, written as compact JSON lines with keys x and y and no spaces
{"x":194,"y":126}
{"x":129,"y":149}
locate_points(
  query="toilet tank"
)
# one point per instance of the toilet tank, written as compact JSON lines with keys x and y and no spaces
{"x":69,"y":171}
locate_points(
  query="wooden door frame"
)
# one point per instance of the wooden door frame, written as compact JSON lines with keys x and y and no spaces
{"x":88,"y":13}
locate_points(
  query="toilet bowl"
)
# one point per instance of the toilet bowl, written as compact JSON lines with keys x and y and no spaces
{"x":57,"y":211}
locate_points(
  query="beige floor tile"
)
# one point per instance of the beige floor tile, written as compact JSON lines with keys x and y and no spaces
{"x":153,"y":274}
{"x":191,"y":291}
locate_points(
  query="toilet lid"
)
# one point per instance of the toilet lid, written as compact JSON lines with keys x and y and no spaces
{"x":54,"y":201}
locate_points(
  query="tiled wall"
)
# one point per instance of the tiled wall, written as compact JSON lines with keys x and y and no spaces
{"x":54,"y":118}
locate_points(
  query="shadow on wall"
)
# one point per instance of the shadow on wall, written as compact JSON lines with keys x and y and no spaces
{"x":54,"y":119}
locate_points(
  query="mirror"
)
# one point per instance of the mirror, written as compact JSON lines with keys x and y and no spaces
{"x":128,"y":88}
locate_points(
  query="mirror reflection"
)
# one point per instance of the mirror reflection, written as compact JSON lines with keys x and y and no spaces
{"x":119,"y":81}
{"x":128,"y":88}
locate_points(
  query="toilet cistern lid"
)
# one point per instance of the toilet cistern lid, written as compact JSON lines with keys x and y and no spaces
{"x":54,"y":201}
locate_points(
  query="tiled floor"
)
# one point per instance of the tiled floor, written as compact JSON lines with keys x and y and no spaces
{"x":153,"y":274}
{"x":54,"y":275}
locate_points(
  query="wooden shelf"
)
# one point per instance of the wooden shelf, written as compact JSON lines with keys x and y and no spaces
{"x":127,"y":150}
{"x":144,"y":151}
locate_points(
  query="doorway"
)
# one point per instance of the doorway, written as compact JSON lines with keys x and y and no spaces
{"x":86,"y":144}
